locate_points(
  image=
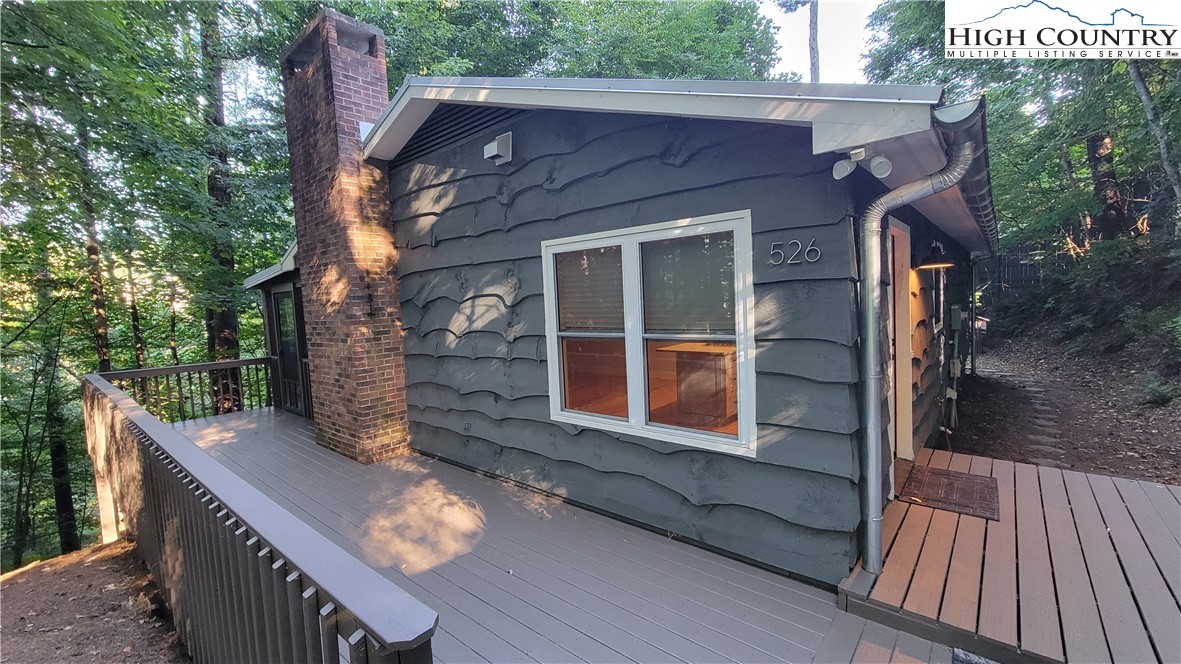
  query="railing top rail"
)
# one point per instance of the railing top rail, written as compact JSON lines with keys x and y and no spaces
{"x":182,"y":368}
{"x":390,"y":615}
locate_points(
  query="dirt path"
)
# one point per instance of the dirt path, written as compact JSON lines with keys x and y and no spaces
{"x":1032,"y":403}
{"x":89,"y":606}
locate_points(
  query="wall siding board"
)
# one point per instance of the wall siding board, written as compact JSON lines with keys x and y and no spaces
{"x":821,"y":361}
{"x":702,"y":478}
{"x":820,"y":554}
{"x":473,"y":313}
{"x":444,"y":343}
{"x":793,"y":447}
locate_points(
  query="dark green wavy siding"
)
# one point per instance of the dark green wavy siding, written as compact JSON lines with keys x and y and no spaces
{"x":471,"y":290}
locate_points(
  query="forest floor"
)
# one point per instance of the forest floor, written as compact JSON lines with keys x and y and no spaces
{"x":1031,"y":402}
{"x":94,"y":605}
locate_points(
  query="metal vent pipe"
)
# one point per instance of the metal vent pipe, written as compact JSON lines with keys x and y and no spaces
{"x":871,"y":316}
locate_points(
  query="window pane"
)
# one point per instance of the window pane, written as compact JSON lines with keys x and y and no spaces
{"x":594,"y":376}
{"x":590,"y":289}
{"x":693,"y":384}
{"x":689,"y":284}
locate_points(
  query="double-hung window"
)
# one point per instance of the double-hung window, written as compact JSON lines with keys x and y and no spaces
{"x":648,"y":331}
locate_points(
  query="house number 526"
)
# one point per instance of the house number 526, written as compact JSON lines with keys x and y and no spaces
{"x":795,"y":252}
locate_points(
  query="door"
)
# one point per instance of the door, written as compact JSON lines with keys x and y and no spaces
{"x":900,"y":378}
{"x":290,"y":380}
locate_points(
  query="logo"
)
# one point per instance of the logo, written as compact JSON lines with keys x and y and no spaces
{"x":1088,"y":29}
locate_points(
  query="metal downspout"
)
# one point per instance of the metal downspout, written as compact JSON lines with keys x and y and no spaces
{"x":871,"y":315}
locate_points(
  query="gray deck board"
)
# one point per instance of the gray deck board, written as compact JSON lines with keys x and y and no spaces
{"x":1166,"y":505}
{"x":517,"y":576}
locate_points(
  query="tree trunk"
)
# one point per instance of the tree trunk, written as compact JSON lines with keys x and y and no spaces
{"x":59,"y":466}
{"x":1113,"y":218}
{"x":1162,"y":138}
{"x":814,"y":39}
{"x":221,"y":317}
{"x":137,"y":334}
{"x":54,"y":425}
{"x":172,"y":347}
{"x":94,"y":267}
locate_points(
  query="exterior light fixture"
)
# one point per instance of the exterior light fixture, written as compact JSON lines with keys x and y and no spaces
{"x":938,"y":260}
{"x":843,"y":168}
{"x":880,"y":166}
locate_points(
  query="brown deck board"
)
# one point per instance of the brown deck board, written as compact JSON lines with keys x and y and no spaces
{"x":1157,"y":605}
{"x":1125,"y":633}
{"x":961,"y":599}
{"x":876,"y":646}
{"x":998,"y":594}
{"x":940,"y":459}
{"x":961,"y":463}
{"x":1166,"y":506}
{"x":930,"y":575}
{"x":899,"y":566}
{"x":1038,"y":612}
{"x":1081,"y":627}
{"x":981,"y":466}
{"x":1160,"y":541}
{"x":892,"y":518}
{"x":962,"y":596}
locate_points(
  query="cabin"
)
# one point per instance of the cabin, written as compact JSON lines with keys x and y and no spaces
{"x":720,"y":310}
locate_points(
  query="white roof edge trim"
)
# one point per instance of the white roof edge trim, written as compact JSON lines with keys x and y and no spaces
{"x":285,"y":265}
{"x":415,"y":101}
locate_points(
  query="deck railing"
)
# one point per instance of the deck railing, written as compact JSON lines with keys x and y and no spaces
{"x":190,"y":391}
{"x":245,"y":579}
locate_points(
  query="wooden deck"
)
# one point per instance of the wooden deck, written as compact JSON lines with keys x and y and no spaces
{"x":1079,"y":568}
{"x":517,"y":576}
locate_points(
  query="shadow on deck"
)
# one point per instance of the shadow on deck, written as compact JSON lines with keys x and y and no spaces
{"x":1079,"y":568}
{"x":517,"y":576}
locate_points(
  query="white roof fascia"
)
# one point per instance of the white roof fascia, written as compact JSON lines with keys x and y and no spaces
{"x":838,"y":122}
{"x":285,"y":265}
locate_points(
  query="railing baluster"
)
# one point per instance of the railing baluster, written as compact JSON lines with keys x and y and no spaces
{"x":209,"y":590}
{"x":328,"y":634}
{"x":266,"y":583}
{"x":180,"y":397}
{"x":241,"y":590}
{"x":282,"y":614}
{"x":311,"y":623}
{"x":194,"y":506}
{"x":255,"y":599}
{"x":350,"y":640}
{"x":217,"y":532}
{"x":294,"y":586}
{"x":192,"y":403}
{"x":204,"y":393}
{"x":168,"y":398}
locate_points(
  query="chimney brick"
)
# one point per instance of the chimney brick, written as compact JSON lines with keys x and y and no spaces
{"x":334,"y":77}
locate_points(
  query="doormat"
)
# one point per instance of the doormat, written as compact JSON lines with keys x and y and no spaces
{"x":974,"y":495}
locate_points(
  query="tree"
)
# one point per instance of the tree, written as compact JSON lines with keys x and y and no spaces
{"x":792,"y":6}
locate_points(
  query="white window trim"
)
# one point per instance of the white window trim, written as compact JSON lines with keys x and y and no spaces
{"x":629,"y":240}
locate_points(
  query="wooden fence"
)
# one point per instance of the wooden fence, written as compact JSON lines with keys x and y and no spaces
{"x":246,"y":580}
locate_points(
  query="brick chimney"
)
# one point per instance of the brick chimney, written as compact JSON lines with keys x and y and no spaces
{"x":334,"y":78}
